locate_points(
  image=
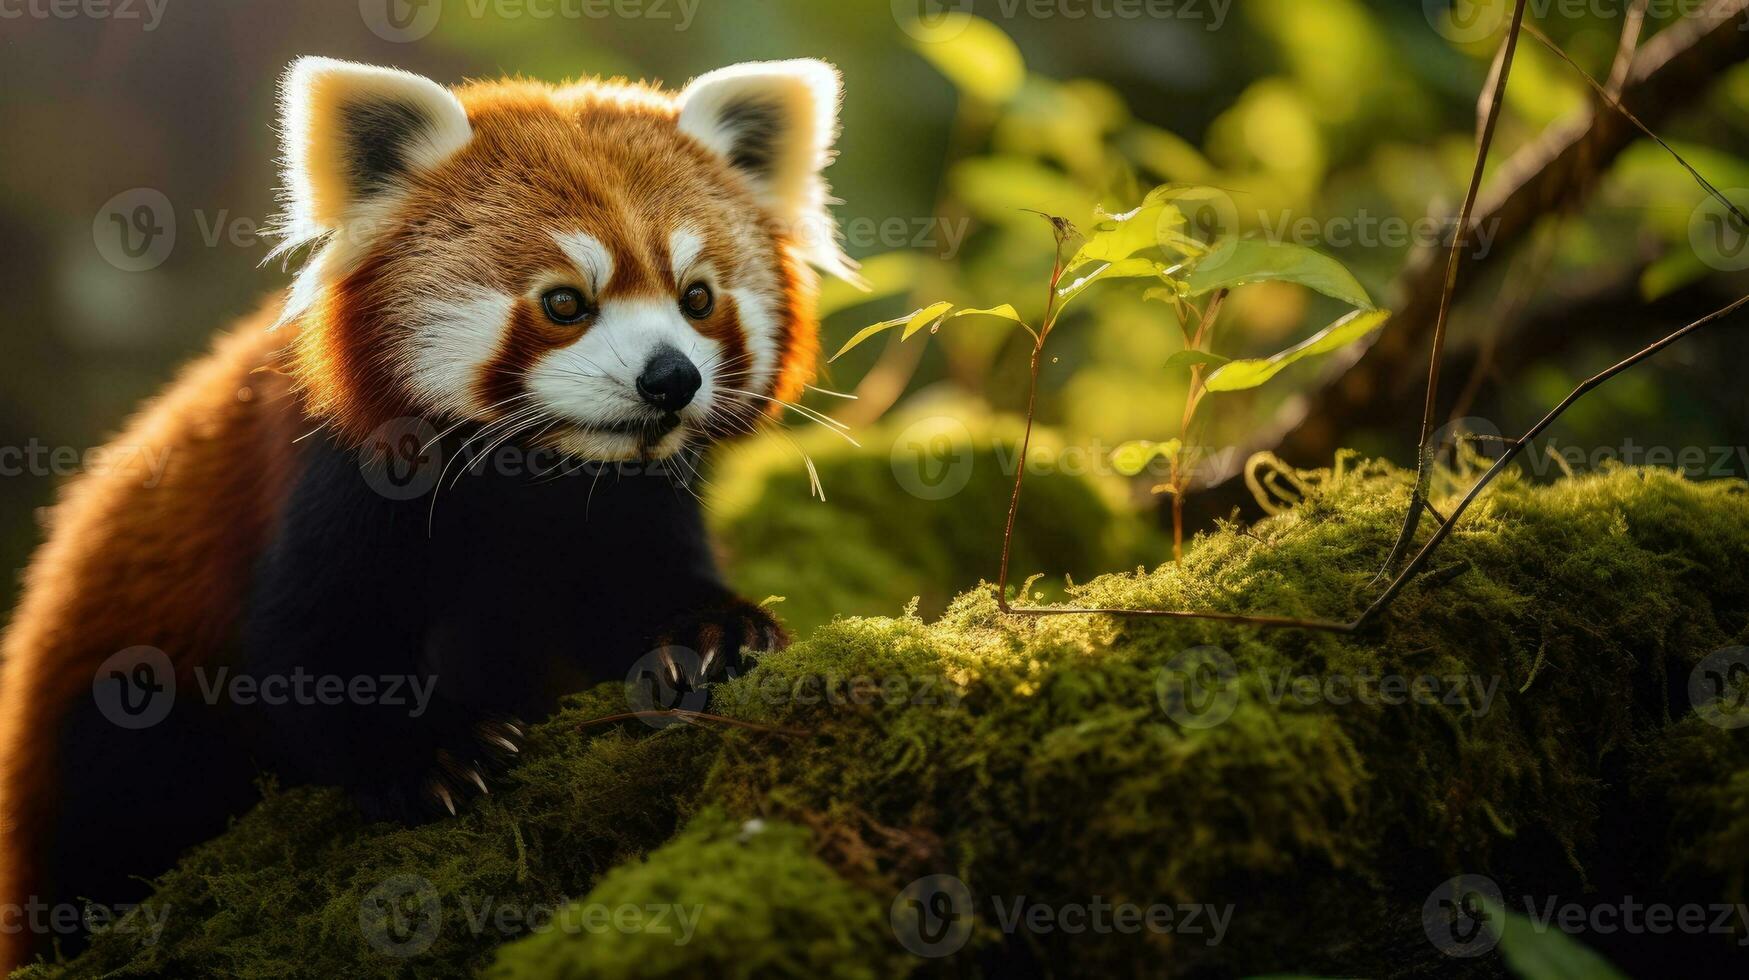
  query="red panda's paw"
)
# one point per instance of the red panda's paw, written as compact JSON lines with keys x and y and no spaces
{"x":471,"y":756}
{"x":718,"y":636}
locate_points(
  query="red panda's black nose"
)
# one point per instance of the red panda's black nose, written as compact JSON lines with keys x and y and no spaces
{"x":669,"y":380}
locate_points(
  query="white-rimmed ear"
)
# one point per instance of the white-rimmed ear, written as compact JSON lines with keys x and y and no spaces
{"x":774,"y":122}
{"x":350,"y":132}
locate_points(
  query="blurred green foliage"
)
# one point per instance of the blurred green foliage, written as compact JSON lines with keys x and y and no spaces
{"x":1338,"y":125}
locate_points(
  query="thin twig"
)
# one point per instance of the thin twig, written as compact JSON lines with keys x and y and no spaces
{"x":1415,"y":564}
{"x":1038,"y":349}
{"x":1628,"y":114}
{"x":1459,"y":240}
{"x":1389,"y":595}
{"x":685,"y":715}
{"x":1631,"y":27}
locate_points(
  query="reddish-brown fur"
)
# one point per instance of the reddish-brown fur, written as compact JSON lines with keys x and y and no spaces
{"x":168,"y":565}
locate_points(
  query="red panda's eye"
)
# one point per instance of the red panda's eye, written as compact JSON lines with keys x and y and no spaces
{"x":564,"y":305}
{"x":698,"y":301}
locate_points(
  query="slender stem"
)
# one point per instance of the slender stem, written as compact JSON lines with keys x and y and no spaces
{"x":1038,"y":349}
{"x":1459,"y":241}
{"x":1384,"y":600}
{"x":1181,"y":474}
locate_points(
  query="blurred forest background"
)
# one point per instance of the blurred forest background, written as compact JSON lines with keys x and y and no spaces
{"x":1340,"y":124}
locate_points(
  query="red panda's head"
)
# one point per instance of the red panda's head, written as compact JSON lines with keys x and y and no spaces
{"x":620,"y":269}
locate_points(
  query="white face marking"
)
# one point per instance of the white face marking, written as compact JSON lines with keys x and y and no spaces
{"x":590,"y":256}
{"x":453,"y":339}
{"x":684,"y":247}
{"x":759,"y":328}
{"x":593,"y":382}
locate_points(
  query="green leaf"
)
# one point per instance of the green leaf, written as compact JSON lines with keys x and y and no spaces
{"x":1131,"y":458}
{"x":973,"y":53}
{"x":1235,"y":262}
{"x":1132,"y":268}
{"x":1546,"y":952}
{"x":1251,"y":372}
{"x":1006,"y":311}
{"x":912,"y":322}
{"x":924,"y":317}
{"x":1116,"y":237}
{"x":1190,"y":358}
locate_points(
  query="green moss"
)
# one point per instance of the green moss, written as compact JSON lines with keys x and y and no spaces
{"x":295,"y":887}
{"x":1049,"y":758}
{"x":726,"y":898}
{"x":916,"y":512}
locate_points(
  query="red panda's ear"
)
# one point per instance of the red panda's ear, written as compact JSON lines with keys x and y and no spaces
{"x":350,"y":132}
{"x":775,"y":121}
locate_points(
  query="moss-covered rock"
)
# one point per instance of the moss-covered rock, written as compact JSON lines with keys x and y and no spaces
{"x":724,"y":898}
{"x":1288,"y":798}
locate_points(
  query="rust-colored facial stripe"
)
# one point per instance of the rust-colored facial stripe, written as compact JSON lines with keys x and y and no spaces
{"x":724,"y":326}
{"x":528,"y":337}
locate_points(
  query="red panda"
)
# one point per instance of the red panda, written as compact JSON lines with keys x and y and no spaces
{"x":605,"y":272}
